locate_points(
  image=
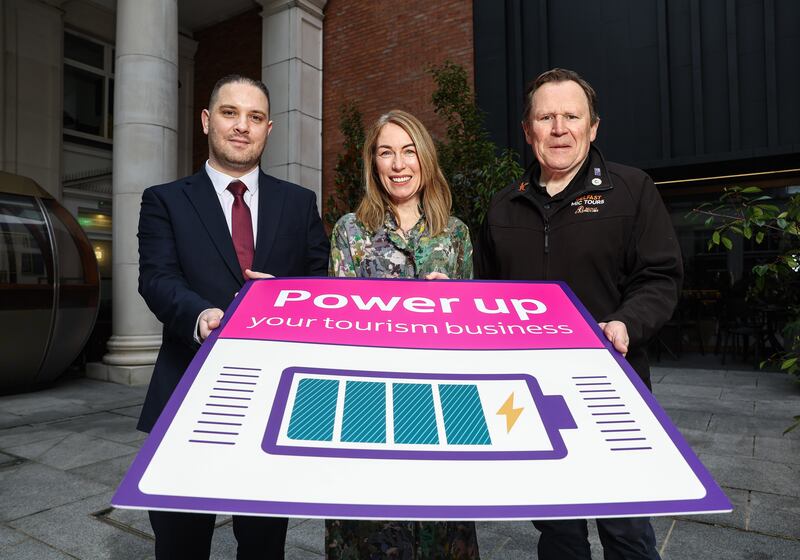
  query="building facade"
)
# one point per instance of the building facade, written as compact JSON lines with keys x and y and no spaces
{"x":100,"y":99}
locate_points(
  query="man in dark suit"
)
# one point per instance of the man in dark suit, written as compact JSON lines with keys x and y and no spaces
{"x":200,"y":238}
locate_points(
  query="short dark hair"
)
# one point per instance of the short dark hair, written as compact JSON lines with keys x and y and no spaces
{"x":238,"y":79}
{"x":560,"y":75}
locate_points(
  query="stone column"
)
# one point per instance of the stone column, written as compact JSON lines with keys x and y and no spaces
{"x":145,"y":153}
{"x":31,"y":90}
{"x":187,"y":116}
{"x":291,"y":66}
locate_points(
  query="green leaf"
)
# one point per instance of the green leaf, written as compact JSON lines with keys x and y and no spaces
{"x":759,"y":237}
{"x":781,"y":223}
{"x":750,"y":190}
{"x":788,"y":363}
{"x":715,"y":238}
{"x":747,"y":232}
{"x":709,"y":221}
{"x":728,"y":243}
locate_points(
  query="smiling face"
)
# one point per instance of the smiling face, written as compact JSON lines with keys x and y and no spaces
{"x":237,"y":126}
{"x":559,"y":129}
{"x":397,"y":165}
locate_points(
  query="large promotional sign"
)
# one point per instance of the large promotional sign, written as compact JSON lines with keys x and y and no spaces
{"x":405,"y":399}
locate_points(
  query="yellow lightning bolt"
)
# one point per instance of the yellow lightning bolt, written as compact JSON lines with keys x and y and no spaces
{"x":511,"y":413}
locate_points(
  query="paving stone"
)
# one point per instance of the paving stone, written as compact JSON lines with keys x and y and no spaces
{"x":109,"y":472}
{"x":132,"y":411}
{"x":719,"y":444}
{"x":72,"y":529}
{"x":778,"y":449}
{"x":753,"y":474}
{"x":782,"y":380}
{"x":6,"y":459}
{"x":31,"y":487}
{"x":10,"y":537}
{"x":714,"y":405}
{"x":135,"y":519}
{"x":675,"y":390}
{"x":781,"y":410}
{"x":73,"y":450}
{"x":113,"y":427}
{"x":691,"y":540}
{"x":30,"y":549}
{"x":708,"y":379}
{"x":737,"y":518}
{"x":691,"y":419}
{"x":23,"y":435}
{"x":300,"y":554}
{"x":763,"y":393}
{"x":512,"y":540}
{"x":775,"y":515}
{"x":308,"y":536}
{"x":751,"y":425}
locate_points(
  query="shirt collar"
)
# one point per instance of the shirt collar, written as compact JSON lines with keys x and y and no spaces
{"x":221,"y":180}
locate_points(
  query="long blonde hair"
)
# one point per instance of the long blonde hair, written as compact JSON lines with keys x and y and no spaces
{"x":434,"y":192}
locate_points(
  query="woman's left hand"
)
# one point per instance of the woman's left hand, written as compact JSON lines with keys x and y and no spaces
{"x":437,"y":276}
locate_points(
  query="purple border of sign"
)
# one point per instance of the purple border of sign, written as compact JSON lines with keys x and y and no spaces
{"x":552,"y":408}
{"x":129,"y":495}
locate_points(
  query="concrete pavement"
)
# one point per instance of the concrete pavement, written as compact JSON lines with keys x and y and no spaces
{"x":63,"y":450}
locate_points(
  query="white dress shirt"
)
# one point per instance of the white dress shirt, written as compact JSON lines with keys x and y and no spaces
{"x":221,"y":181}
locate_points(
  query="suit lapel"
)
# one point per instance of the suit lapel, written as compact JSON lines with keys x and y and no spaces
{"x":270,"y":206}
{"x":203,"y":197}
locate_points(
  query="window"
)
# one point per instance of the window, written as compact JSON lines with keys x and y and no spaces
{"x":88,"y":89}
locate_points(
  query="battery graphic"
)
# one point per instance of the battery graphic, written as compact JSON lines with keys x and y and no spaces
{"x":402,"y":415}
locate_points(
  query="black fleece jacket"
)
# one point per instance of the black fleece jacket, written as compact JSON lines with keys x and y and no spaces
{"x":608,"y":236}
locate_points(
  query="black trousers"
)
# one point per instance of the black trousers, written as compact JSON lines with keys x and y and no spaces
{"x":188,"y":536}
{"x":623,"y":538}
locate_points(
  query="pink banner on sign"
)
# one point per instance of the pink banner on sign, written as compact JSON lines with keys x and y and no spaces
{"x":411,"y":314}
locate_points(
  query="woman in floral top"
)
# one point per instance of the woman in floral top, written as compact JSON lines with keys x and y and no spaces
{"x":401,"y":229}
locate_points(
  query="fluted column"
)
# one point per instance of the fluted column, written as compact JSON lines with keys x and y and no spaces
{"x":145,"y":153}
{"x":291,"y":66}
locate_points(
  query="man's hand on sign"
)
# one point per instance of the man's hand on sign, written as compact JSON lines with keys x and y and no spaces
{"x":252,"y":275}
{"x":209,"y":320}
{"x":617,"y":333}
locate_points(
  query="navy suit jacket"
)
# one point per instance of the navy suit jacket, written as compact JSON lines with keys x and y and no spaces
{"x":187,"y":262}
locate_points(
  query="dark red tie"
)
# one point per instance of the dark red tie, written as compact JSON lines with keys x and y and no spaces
{"x":241,"y":226}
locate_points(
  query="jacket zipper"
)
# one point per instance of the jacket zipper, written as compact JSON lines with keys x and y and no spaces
{"x":546,"y":236}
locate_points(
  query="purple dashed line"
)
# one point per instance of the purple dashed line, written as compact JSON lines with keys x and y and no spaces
{"x":231,"y":398}
{"x":590,"y":384}
{"x":625,"y":430}
{"x":604,"y":405}
{"x":597,"y":391}
{"x":221,"y":433}
{"x":238,"y":424}
{"x":609,"y":413}
{"x":242,"y":368}
{"x":601,"y":398}
{"x":227,"y":405}
{"x":629,"y":448}
{"x":234,"y":390}
{"x":222,"y":413}
{"x":216,"y":442}
{"x":614,"y":421}
{"x":627,"y":439}
{"x":589,"y":377}
{"x":236,"y":382}
{"x":239,"y":375}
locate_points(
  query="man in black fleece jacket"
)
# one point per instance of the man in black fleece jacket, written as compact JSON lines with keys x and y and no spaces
{"x":602,"y":228}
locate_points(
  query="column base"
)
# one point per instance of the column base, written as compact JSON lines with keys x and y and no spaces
{"x":122,"y":375}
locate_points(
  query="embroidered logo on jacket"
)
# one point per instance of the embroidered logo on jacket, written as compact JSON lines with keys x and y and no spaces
{"x":588,"y":203}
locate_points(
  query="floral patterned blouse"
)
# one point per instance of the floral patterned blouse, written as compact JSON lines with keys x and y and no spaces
{"x":387,"y":254}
